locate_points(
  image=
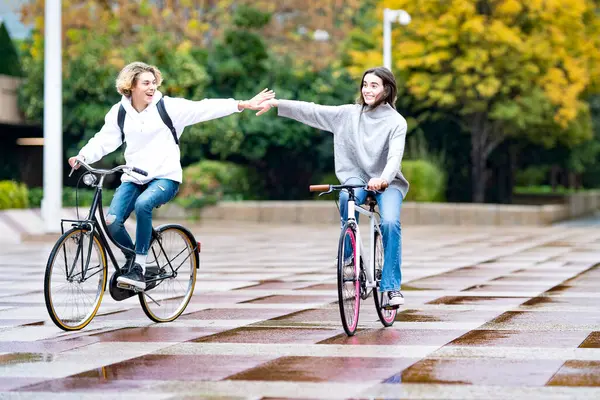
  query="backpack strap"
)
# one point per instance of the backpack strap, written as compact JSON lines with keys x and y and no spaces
{"x":121,"y":121}
{"x":166,"y":119}
{"x":162,"y":111}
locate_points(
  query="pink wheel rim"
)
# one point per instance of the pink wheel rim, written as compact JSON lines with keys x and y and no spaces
{"x":356,"y":283}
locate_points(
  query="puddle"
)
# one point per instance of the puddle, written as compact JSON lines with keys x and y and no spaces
{"x":410,"y":288}
{"x":40,"y":323}
{"x":475,"y":338}
{"x":523,"y":339}
{"x":257,"y":299}
{"x":577,"y":373}
{"x":475,"y":300}
{"x":592,"y":341}
{"x":506,"y":317}
{"x":556,"y":244}
{"x":486,"y":372}
{"x":558,"y":289}
{"x":413,"y":316}
{"x":25,"y":358}
{"x":536,"y":301}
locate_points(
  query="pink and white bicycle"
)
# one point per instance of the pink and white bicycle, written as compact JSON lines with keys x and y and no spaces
{"x":355,"y":277}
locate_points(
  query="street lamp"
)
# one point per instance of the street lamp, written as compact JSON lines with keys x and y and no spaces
{"x":389,"y":16}
{"x":52,"y":201}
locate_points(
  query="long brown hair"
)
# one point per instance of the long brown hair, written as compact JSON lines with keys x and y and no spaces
{"x":390,"y":89}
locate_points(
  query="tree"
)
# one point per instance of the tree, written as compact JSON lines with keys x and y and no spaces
{"x":237,"y":65}
{"x":502,"y":67}
{"x":197,"y":21}
{"x":89,"y":78}
{"x":286,"y":153}
{"x":10,"y":64}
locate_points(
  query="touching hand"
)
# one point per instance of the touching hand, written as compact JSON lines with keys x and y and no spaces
{"x":255,"y":102}
{"x":377,"y":184}
{"x":267,"y":105}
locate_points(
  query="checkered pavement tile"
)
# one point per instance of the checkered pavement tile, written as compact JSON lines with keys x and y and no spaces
{"x":490,"y":313}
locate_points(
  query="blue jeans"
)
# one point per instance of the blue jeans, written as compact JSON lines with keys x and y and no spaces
{"x":390,"y":204}
{"x":143,"y":199}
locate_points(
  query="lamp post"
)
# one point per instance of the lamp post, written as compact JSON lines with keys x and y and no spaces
{"x":389,"y":16}
{"x":52,"y":201}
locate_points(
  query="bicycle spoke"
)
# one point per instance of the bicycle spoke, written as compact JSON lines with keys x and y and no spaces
{"x":173,"y":254}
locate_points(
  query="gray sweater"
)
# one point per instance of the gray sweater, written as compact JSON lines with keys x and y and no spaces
{"x":367,"y":143}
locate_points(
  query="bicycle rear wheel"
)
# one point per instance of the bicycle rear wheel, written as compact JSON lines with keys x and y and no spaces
{"x":172,"y":262}
{"x":348,"y":279}
{"x":75,"y":279}
{"x":386,"y":316}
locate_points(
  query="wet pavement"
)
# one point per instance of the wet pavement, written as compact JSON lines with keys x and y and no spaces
{"x":490,"y":314}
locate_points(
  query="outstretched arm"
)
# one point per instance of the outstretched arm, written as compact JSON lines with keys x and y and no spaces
{"x":315,"y":115}
{"x":187,"y":112}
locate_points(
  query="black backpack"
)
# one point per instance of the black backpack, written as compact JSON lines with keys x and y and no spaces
{"x":163,"y":115}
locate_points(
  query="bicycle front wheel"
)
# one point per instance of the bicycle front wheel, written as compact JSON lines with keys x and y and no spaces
{"x":75,"y":279}
{"x":386,"y":316}
{"x":170,"y":274}
{"x":348,"y":279}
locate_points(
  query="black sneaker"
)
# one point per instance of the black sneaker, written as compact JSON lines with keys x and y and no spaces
{"x":135,"y":277}
{"x":395,"y":298}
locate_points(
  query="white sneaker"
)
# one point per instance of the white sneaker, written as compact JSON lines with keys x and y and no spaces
{"x":395,"y":298}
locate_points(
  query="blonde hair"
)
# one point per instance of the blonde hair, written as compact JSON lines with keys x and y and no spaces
{"x":128,"y":76}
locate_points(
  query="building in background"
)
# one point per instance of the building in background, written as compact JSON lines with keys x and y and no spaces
{"x":20,"y":142}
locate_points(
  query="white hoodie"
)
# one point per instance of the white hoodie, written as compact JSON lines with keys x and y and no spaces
{"x":150,"y":144}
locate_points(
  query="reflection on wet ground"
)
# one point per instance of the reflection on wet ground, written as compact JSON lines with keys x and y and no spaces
{"x":487,"y":313}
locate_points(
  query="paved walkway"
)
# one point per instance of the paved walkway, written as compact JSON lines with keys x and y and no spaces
{"x":490,"y":314}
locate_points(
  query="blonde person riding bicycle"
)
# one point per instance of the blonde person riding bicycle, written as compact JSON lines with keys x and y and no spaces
{"x":368,"y":142}
{"x":151,"y":125}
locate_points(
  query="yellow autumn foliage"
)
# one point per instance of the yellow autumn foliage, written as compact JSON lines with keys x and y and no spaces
{"x":495,"y":51}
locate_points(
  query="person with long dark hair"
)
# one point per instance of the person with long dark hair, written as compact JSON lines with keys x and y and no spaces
{"x":368,"y":143}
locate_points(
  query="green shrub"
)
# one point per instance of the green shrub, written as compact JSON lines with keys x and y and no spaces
{"x":535,"y":175}
{"x":208,"y":182}
{"x":35,"y":194}
{"x":13,"y":195}
{"x":545,"y":189}
{"x":427,"y":181}
{"x":84,"y":198}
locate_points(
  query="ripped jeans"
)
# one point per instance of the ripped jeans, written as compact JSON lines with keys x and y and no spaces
{"x":143,"y":199}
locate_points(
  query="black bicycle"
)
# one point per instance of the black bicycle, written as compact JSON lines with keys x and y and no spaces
{"x":76,"y":272}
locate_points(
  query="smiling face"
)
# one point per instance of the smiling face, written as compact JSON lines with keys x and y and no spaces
{"x":372,"y":89}
{"x":144,"y":89}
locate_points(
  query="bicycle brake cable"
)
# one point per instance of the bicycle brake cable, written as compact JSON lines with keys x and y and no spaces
{"x":77,"y":195}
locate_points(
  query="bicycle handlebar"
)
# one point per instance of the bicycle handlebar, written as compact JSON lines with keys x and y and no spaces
{"x":319,"y":188}
{"x":329,"y":188}
{"x":123,"y":168}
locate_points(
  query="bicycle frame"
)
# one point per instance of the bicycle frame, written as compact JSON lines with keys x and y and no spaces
{"x":92,"y":224}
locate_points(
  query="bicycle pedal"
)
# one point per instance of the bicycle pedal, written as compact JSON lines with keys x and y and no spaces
{"x":390,"y":308}
{"x":365,"y":295}
{"x":127,"y":286}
